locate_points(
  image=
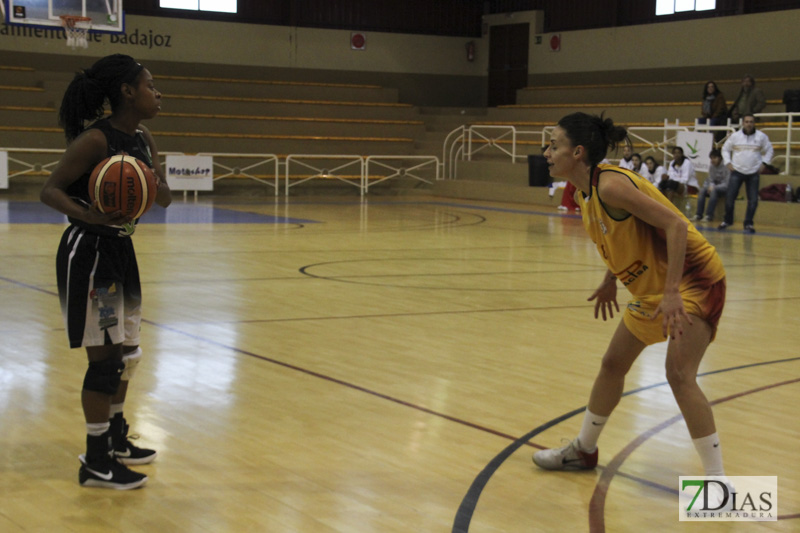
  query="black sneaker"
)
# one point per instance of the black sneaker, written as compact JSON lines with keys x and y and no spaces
{"x":124,"y":451}
{"x":723,"y":225}
{"x":750,"y":229}
{"x":109,"y":474}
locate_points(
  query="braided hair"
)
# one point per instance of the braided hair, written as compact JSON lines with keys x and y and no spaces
{"x":596,"y":134}
{"x":85,"y":97}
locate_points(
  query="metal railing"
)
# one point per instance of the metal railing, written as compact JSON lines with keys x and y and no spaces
{"x":466,"y":142}
{"x":248,"y":171}
{"x":389,"y":162}
{"x":304,"y":161}
{"x":792,"y":119}
{"x":355,"y":170}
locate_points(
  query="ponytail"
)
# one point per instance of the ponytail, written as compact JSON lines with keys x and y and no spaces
{"x":85,"y":97}
{"x":596,"y":134}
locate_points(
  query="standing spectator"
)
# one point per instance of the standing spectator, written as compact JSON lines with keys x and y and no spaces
{"x":681,"y":179}
{"x":746,"y":154}
{"x":714,"y":111}
{"x":652,"y":170}
{"x":627,"y":157}
{"x":715,"y":186}
{"x":751,"y":99}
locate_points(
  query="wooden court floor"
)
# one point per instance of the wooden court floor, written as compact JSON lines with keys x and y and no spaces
{"x":324,"y":365}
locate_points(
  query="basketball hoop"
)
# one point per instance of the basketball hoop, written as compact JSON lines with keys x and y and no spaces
{"x":77,"y":30}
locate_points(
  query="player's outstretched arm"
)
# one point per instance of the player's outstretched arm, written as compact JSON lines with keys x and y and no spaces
{"x":605,"y":296}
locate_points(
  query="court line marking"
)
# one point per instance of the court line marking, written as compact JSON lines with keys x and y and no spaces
{"x":565,"y":215}
{"x":468,"y":504}
{"x":465,"y":511}
{"x":598,"y":501}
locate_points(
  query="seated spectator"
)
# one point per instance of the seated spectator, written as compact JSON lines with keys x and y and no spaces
{"x":680,"y":179}
{"x":750,"y":100}
{"x":637,"y":166}
{"x":652,"y":170}
{"x":714,"y":111}
{"x":715,"y":186}
{"x":627,"y":155}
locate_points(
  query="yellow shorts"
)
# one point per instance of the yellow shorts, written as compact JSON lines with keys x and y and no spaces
{"x":703,"y":301}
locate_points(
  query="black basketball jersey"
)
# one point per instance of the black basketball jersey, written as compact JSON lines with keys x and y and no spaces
{"x":118,"y":143}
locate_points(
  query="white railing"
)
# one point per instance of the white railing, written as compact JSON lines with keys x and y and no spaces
{"x":261,"y":160}
{"x":669,"y":134}
{"x":304,"y":161}
{"x":792,"y":119}
{"x":460,"y":144}
{"x":355,"y":170}
{"x":452,"y":150}
{"x":387,"y":162}
{"x":28,"y":167}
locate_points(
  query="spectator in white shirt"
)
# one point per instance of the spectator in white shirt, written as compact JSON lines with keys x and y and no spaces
{"x":652,"y":170}
{"x":637,"y":165}
{"x":681,"y":179}
{"x":627,"y":158}
{"x":745,"y":153}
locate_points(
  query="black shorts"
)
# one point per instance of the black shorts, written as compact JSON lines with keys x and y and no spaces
{"x":99,"y":289}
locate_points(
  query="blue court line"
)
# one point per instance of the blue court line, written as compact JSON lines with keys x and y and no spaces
{"x":38,"y":213}
{"x":515,"y":211}
{"x":463,"y":517}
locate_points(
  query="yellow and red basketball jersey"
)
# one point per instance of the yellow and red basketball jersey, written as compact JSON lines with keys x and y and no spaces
{"x":635,"y":251}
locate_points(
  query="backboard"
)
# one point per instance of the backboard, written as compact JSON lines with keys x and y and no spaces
{"x":107,"y":15}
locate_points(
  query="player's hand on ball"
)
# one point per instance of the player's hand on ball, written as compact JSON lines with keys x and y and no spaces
{"x":95,"y":216}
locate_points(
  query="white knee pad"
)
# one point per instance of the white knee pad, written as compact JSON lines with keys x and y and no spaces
{"x":131,"y":361}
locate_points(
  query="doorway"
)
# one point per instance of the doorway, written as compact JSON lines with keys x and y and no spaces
{"x":508,"y":62}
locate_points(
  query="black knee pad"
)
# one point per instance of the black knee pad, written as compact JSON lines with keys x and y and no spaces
{"x":104,"y":376}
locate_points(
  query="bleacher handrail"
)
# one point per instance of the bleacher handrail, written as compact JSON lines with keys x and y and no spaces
{"x":452,"y":148}
{"x":423,"y":161}
{"x":409,"y":166}
{"x":304,"y":160}
{"x":791,"y":119}
{"x":466,"y":134}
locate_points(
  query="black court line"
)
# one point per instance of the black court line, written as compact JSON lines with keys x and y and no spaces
{"x":465,"y":511}
{"x":333,"y":380}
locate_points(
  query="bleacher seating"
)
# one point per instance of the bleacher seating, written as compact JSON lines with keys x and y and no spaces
{"x":491,"y":175}
{"x":224,"y":114}
{"x":236,"y":110}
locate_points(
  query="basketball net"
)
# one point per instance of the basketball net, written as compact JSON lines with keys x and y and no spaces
{"x":77,"y":30}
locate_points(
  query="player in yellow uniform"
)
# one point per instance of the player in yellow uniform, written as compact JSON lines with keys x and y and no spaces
{"x":675,"y":276}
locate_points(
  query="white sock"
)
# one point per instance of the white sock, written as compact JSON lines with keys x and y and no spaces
{"x":710,"y":452}
{"x":97,"y":429}
{"x":115,"y":408}
{"x":590,"y":431}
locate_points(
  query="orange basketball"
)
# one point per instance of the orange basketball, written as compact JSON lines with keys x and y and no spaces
{"x":123,"y":183}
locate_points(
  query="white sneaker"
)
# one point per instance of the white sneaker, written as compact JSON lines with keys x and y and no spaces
{"x":568,"y":457}
{"x":716,"y":495}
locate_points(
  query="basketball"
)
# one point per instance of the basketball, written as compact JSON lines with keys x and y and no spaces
{"x":123,"y":183}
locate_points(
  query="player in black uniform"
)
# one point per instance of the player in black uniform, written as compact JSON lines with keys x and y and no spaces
{"x":98,"y":277}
